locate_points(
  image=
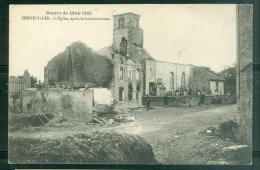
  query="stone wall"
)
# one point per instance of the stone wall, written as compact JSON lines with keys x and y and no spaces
{"x":68,"y":103}
{"x":245,"y":71}
{"x":218,"y":99}
{"x":189,"y":101}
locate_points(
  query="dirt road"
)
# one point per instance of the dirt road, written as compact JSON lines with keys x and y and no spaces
{"x":175,"y":133}
{"x":159,"y":121}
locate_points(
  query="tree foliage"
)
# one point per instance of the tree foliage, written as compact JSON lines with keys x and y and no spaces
{"x":33,"y":81}
{"x":230,"y":80}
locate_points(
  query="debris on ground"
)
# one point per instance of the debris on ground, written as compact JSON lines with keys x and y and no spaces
{"x":237,"y":153}
{"x":95,"y":121}
{"x":61,"y":121}
{"x":96,"y":147}
{"x":107,"y":116}
{"x":227,"y":145}
{"x":234,"y":147}
{"x":218,"y":162}
{"x":208,"y":131}
{"x":226,"y":130}
{"x":22,"y":120}
{"x":176,"y":136}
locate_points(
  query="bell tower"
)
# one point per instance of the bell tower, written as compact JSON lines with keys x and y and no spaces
{"x":127,"y":34}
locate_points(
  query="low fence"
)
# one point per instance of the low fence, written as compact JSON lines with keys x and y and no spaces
{"x":189,"y":101}
{"x":68,"y":103}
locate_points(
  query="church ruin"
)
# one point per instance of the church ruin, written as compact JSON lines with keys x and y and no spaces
{"x":127,"y":69}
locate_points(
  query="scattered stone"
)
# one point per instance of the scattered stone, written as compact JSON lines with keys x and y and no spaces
{"x":226,"y":130}
{"x":131,"y":118}
{"x":235,"y":147}
{"x":110,"y":121}
{"x":109,"y":117}
{"x":218,"y":162}
{"x":20,"y":121}
{"x":94,"y":120}
{"x":208,"y":131}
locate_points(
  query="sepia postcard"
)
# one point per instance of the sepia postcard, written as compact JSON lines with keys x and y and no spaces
{"x":130,"y":84}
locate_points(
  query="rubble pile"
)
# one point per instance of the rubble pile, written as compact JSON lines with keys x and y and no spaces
{"x":226,"y":130}
{"x":23,"y":120}
{"x":61,"y":121}
{"x":113,"y":118}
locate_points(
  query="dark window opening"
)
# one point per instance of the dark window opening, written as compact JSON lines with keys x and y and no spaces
{"x":51,"y":82}
{"x":152,"y":89}
{"x":130,"y":92}
{"x":121,"y":73}
{"x":121,"y":93}
{"x":123,"y":46}
{"x":195,"y":75}
{"x":28,"y":106}
{"x":137,"y":91}
{"x":183,"y":80}
{"x":136,"y":23}
{"x":172,"y":80}
{"x":216,"y":87}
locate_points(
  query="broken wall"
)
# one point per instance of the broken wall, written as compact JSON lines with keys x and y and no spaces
{"x":74,"y":104}
{"x":103,"y":96}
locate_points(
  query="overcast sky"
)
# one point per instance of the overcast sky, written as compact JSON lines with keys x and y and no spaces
{"x":202,"y":35}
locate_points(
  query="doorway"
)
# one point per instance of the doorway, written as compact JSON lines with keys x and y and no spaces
{"x":121,"y":93}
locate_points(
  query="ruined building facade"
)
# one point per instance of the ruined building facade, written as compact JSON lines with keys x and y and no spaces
{"x":17,"y":84}
{"x":126,"y":68}
{"x":77,"y":67}
{"x":159,"y":77}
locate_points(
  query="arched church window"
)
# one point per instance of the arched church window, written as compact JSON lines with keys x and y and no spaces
{"x":159,"y":81}
{"x":130,"y":73}
{"x":121,"y":22}
{"x":172,"y":80}
{"x":123,"y":46}
{"x":183,"y":80}
{"x":136,"y":23}
{"x":121,"y":73}
{"x":130,"y":92}
{"x":137,"y":74}
{"x":217,"y":87}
